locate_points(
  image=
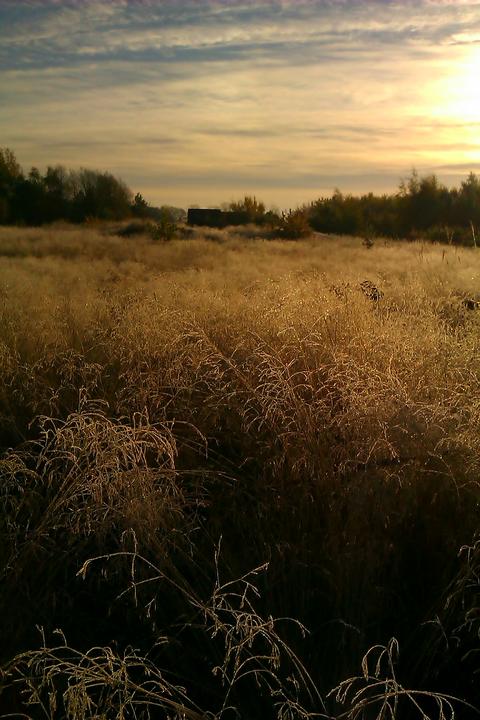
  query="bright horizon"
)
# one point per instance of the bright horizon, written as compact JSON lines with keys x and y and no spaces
{"x":200,"y":103}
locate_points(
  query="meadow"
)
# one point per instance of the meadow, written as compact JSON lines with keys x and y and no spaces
{"x":233,"y":485}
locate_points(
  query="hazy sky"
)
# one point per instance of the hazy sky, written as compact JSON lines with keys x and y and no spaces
{"x":202,"y":102}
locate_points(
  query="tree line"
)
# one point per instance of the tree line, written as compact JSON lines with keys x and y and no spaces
{"x":422,"y":206}
{"x":74,"y":195}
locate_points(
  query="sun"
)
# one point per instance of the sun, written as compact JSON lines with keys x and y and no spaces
{"x":461,"y":100}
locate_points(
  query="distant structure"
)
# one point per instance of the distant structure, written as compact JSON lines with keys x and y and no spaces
{"x":210,"y":217}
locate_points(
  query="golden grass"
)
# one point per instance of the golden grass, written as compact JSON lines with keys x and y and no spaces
{"x":223,"y":385}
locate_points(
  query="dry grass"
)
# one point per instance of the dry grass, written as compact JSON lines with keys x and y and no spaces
{"x":167,"y":395}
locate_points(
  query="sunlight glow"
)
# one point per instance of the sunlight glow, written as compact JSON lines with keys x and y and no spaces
{"x":462,"y":99}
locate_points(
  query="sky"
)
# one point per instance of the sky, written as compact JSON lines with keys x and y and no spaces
{"x":201,"y":102}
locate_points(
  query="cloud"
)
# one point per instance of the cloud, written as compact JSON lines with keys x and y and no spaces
{"x":103,"y":143}
{"x":464,"y":168}
{"x":465,"y":38}
{"x":73,"y":33}
{"x":237,"y":94}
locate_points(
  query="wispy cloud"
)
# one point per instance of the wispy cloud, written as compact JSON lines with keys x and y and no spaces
{"x":248,"y":95}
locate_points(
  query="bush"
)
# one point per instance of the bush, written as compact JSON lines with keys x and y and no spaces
{"x":165,"y":229}
{"x":294,"y":224}
{"x":253,"y":209}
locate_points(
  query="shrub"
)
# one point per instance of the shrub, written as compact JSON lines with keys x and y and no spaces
{"x":294,"y":224}
{"x":165,"y":229}
{"x":253,"y":209}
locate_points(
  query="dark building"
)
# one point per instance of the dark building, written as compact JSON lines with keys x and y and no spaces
{"x":216,"y":218}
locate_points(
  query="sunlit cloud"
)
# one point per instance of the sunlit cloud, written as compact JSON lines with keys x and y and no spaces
{"x":198,"y":101}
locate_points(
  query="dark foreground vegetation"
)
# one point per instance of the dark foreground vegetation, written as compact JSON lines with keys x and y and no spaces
{"x":228,"y":474}
{"x":422,"y":207}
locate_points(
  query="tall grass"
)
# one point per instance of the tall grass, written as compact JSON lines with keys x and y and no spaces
{"x":159,"y":402}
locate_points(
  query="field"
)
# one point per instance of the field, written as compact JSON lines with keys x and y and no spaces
{"x":229,"y":474}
